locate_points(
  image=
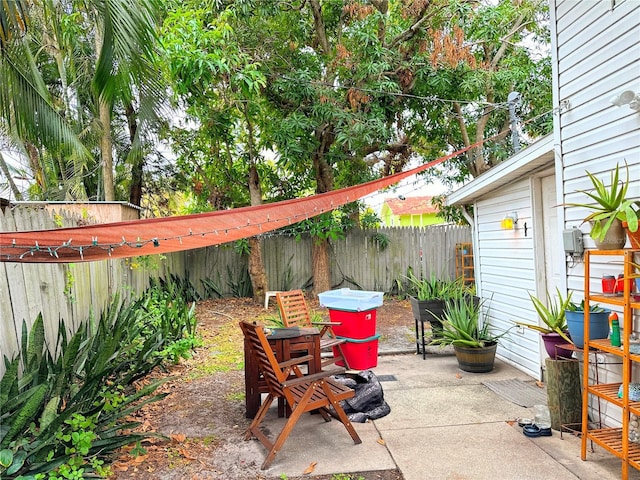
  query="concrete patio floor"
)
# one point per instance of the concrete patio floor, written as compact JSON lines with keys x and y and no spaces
{"x":444,"y":424}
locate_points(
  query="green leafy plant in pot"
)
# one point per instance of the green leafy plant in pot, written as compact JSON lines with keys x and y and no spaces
{"x":434,"y":288}
{"x":611,"y":210}
{"x":598,"y":322}
{"x":470,"y":333}
{"x":429,"y":297}
{"x":553,"y":315}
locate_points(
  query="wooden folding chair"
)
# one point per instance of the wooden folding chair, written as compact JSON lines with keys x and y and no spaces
{"x":303,"y":393}
{"x":295,"y":313}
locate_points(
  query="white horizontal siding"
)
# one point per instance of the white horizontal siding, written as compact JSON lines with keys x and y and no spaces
{"x":586,"y":20}
{"x":575,"y":39}
{"x":505,"y":271}
{"x":598,"y":52}
{"x":573,"y":8}
{"x":590,"y":37}
{"x":597,"y":56}
{"x":597,"y":111}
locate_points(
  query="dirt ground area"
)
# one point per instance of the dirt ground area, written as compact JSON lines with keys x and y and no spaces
{"x":203,"y":414}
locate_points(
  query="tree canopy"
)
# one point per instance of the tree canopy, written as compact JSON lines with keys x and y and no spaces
{"x":313,"y":94}
{"x":80,"y":86}
{"x":270,"y":99}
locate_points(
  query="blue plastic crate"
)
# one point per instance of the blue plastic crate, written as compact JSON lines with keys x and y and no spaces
{"x":350,"y":300}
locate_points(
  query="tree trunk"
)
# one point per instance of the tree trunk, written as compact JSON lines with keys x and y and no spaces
{"x":12,"y":185}
{"x":137,"y":160}
{"x":324,"y":183}
{"x":106,"y":142}
{"x":320,"y":264}
{"x":257,"y":272}
{"x":135,"y":192}
{"x":34,"y":162}
{"x":106,"y":151}
{"x":564,"y":395}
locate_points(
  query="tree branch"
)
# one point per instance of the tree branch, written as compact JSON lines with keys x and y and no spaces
{"x":381,"y":5}
{"x":396,"y":147}
{"x":413,"y":29}
{"x":461,"y":123}
{"x":318,"y":23}
{"x":505,"y":43}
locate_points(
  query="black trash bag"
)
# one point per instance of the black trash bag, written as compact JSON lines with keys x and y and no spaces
{"x":368,"y":402}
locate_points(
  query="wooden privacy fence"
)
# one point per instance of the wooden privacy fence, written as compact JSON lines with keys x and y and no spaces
{"x":74,"y":292}
{"x":359,"y":261}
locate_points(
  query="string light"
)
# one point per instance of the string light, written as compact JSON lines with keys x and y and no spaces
{"x":139,"y":243}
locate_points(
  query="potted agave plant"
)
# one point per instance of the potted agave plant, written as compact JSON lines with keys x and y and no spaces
{"x":474,"y":341}
{"x":555,"y":330}
{"x":429,"y":296}
{"x":612,"y":213}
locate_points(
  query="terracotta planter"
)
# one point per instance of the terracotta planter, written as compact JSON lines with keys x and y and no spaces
{"x":615,"y":238}
{"x":634,"y":237}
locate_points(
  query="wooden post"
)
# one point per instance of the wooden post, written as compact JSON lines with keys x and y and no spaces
{"x":564,"y":394}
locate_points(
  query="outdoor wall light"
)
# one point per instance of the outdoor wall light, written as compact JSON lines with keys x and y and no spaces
{"x":627,"y":97}
{"x":510,"y":221}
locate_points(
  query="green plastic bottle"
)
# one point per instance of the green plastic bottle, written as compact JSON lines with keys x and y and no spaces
{"x":615,"y":330}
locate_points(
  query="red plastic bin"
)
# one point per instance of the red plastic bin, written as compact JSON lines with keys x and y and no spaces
{"x":360,"y":354}
{"x":356,"y":325}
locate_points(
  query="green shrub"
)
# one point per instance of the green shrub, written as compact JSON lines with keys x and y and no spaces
{"x":62,"y":414}
{"x":240,"y":287}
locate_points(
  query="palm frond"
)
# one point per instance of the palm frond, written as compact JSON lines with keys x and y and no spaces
{"x":128,"y":37}
{"x":13,"y":20}
{"x":26,"y":106}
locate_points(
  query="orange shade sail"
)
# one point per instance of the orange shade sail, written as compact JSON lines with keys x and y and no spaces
{"x":172,"y":234}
